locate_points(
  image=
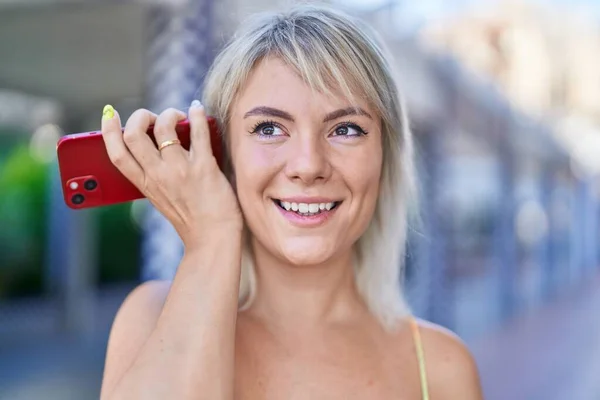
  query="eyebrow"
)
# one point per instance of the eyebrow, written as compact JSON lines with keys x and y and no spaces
{"x":274,"y":112}
{"x":270,"y":112}
{"x":345,"y":112}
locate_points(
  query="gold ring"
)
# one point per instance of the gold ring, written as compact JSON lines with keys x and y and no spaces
{"x":168,"y":143}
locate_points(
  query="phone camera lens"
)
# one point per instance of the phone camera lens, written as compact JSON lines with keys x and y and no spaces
{"x":77,"y":199}
{"x":90,"y":184}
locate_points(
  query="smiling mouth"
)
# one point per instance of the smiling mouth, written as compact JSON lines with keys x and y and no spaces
{"x":306,"y":209}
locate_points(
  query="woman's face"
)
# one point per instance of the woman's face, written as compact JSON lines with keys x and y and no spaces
{"x":307,"y":166}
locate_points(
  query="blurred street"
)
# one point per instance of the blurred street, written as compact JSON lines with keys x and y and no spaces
{"x":56,"y":366}
{"x":549,"y":354}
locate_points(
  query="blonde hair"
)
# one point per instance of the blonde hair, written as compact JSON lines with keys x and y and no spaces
{"x":332,"y":51}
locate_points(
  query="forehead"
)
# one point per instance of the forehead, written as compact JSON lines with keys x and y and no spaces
{"x":275,"y":83}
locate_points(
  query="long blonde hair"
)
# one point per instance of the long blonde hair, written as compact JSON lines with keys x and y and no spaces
{"x":334,"y":52}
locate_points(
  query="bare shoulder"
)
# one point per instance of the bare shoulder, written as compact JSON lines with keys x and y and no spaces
{"x":451,"y":369}
{"x":133,"y":324}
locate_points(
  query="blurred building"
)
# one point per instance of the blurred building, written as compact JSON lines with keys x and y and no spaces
{"x":545,"y":59}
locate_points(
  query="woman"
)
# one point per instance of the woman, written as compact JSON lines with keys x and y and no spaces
{"x":308,"y":223}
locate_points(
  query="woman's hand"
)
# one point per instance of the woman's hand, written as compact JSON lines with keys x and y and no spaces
{"x":178,"y":341}
{"x":188,"y":188}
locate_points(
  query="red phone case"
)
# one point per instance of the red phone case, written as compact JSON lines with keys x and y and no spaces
{"x":83,"y":160}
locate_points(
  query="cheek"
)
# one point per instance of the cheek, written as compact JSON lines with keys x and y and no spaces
{"x":363,"y":174}
{"x":253,"y":166}
{"x":362,"y":178}
{"x":368,"y":192}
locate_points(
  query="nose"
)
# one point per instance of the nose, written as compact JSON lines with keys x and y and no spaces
{"x":308,"y":160}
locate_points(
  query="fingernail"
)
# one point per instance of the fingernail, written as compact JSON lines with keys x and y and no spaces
{"x":108,"y":112}
{"x":196,"y":103}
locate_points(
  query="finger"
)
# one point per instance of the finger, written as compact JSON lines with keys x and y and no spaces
{"x":164,"y":131}
{"x":119,"y":155}
{"x":200,"y":145}
{"x":138,"y":141}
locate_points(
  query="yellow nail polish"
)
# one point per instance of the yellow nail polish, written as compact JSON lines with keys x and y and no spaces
{"x":108,"y":112}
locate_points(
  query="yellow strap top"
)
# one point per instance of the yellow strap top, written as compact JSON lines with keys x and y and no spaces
{"x":420,"y":356}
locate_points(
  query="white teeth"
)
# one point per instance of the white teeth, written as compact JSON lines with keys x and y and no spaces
{"x":306,"y":208}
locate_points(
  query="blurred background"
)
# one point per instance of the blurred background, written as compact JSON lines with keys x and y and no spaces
{"x":504,"y":98}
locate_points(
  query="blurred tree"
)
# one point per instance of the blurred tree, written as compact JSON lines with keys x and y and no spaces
{"x":119,"y":245}
{"x":23,"y":181}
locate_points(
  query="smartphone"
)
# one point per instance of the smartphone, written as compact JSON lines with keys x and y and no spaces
{"x":90,"y":179}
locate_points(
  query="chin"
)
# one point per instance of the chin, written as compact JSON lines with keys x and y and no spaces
{"x":306,"y":251}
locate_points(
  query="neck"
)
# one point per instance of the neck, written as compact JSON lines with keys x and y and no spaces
{"x":296,"y":296}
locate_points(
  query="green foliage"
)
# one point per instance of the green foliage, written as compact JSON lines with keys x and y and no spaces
{"x":119,"y":243}
{"x":23,"y":202}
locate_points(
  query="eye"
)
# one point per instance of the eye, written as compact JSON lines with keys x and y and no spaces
{"x":349,"y":129}
{"x":267,"y":128}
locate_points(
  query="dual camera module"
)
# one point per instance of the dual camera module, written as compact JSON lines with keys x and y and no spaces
{"x":89,"y":185}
